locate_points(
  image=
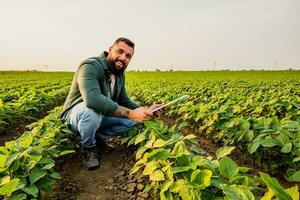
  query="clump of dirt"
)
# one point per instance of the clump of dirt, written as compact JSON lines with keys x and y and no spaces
{"x":112,"y":180}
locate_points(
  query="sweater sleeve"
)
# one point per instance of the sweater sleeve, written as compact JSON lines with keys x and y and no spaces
{"x":90,"y":91}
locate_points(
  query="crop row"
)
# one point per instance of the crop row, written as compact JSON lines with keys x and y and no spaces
{"x":175,"y":165}
{"x":30,"y":104}
{"x":177,"y":169}
{"x":261,"y":117}
{"x":27,"y":164}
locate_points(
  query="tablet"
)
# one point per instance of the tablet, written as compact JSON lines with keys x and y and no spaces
{"x":170,"y":103}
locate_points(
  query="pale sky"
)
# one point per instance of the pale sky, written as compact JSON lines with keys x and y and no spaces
{"x":169,"y":34}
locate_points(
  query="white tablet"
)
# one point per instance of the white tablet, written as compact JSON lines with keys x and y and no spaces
{"x":170,"y":103}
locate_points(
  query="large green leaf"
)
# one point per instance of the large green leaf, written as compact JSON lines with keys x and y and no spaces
{"x":228,"y":167}
{"x":26,"y":142}
{"x":9,"y":187}
{"x":253,"y":146}
{"x":157,"y":175}
{"x":159,"y":143}
{"x":150,"y":167}
{"x":3,"y":159}
{"x":201,"y":177}
{"x":269,"y":142}
{"x":31,"y":190}
{"x":179,"y":150}
{"x":273,"y":184}
{"x":139,"y":139}
{"x":224,"y":151}
{"x":140,"y":152}
{"x":159,"y":154}
{"x":293,"y":192}
{"x":21,"y":196}
{"x":236,"y":192}
{"x":295,"y":176}
{"x":36,"y":174}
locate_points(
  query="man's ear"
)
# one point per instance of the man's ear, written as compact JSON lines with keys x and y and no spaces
{"x":110,"y":48}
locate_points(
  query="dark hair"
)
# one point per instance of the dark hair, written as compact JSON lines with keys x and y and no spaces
{"x":125,"y":40}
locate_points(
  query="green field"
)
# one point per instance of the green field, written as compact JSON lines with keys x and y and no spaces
{"x":254,"y":113}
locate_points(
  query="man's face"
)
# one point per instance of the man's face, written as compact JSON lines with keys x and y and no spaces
{"x":120,"y":54}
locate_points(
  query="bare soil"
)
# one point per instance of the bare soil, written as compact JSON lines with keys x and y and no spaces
{"x":112,"y":180}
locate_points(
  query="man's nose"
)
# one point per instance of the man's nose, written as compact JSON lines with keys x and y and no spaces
{"x":122,"y":57}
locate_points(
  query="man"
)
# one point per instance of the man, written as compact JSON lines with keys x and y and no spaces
{"x":97,"y":103}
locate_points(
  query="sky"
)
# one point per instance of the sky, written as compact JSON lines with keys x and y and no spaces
{"x":56,"y":35}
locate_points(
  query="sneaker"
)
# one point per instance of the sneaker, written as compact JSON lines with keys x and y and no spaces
{"x":91,"y":159}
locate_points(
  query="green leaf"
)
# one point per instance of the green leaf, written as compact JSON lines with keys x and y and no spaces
{"x":177,"y":185}
{"x":296,"y":159}
{"x":293,"y":192}
{"x":45,"y":160}
{"x":45,"y":184}
{"x":150,"y":142}
{"x":269,"y":142}
{"x":273,"y":185}
{"x":26,"y":142}
{"x":140,"y":138}
{"x":236,"y":192}
{"x":9,"y":187}
{"x":159,"y":143}
{"x":248,"y":136}
{"x":224,"y":151}
{"x":31,"y":190}
{"x":140,"y":152}
{"x":282,"y":139}
{"x":179,"y":150}
{"x":49,"y":166}
{"x":180,"y":169}
{"x":35,"y":158}
{"x":287,"y":148}
{"x":197,"y":150}
{"x":3,"y":159}
{"x":190,"y":137}
{"x":201,"y":177}
{"x":184,"y":193}
{"x":150,"y":167}
{"x":36,"y":174}
{"x":5,"y":180}
{"x":65,"y":152}
{"x":21,"y":196}
{"x":55,"y":175}
{"x":157,"y":175}
{"x":253,"y":146}
{"x":159,"y":154}
{"x":295,"y":176}
{"x":228,"y":167}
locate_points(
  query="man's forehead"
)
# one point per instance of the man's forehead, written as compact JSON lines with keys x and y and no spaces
{"x":124,"y":47}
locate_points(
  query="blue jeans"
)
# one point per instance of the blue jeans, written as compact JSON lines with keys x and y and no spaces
{"x":88,"y":123}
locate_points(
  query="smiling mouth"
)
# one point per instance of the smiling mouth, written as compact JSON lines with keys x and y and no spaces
{"x":120,"y":63}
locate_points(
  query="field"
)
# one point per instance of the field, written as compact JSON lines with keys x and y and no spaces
{"x":236,"y":131}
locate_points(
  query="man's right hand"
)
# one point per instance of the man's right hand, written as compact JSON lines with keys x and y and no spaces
{"x":140,"y":114}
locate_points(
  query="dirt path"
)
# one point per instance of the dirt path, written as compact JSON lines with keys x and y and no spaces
{"x":110,"y":181}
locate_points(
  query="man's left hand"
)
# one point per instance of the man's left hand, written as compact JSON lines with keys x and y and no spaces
{"x":158,"y":112}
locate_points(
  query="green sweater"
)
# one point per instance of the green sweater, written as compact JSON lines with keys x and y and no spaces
{"x":91,"y":86}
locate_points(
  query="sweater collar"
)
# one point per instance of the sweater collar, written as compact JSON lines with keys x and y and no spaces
{"x":103,"y":59}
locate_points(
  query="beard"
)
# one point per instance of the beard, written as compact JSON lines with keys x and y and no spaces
{"x":112,"y":66}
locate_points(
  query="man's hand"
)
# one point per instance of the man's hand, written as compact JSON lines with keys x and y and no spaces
{"x":140,"y":114}
{"x":158,"y":112}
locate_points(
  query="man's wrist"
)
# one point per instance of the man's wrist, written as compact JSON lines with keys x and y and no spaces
{"x":122,"y":112}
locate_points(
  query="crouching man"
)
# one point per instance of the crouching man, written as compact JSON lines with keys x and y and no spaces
{"x":98,"y":105}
